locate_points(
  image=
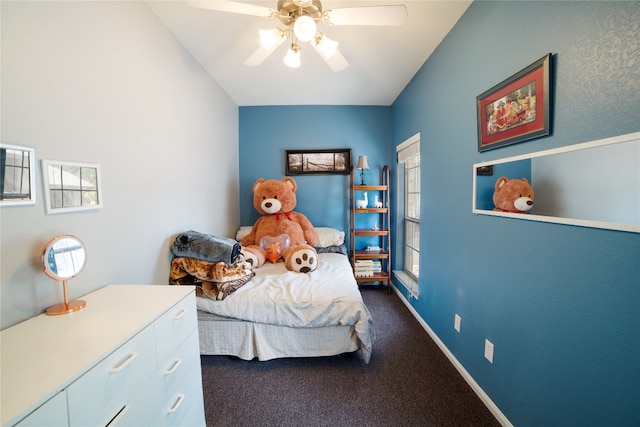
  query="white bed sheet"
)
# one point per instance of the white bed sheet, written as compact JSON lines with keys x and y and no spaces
{"x":328,"y":296}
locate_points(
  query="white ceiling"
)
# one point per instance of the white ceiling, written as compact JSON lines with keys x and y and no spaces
{"x":382,"y":59}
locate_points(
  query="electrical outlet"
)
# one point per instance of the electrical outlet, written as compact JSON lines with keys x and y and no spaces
{"x":488,"y":350}
{"x":456,"y":323}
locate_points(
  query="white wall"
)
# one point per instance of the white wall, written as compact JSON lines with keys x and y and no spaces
{"x":105,"y":82}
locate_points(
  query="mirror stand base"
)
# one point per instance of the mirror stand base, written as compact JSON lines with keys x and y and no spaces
{"x":66,"y":307}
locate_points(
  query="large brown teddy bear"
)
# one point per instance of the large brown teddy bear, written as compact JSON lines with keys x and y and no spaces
{"x":275,"y":200}
{"x":513,"y":195}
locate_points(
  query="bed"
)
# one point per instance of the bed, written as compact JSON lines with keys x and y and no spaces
{"x":279,"y":313}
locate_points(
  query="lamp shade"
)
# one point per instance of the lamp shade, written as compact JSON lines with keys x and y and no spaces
{"x":362,"y":163}
{"x":292,"y":58}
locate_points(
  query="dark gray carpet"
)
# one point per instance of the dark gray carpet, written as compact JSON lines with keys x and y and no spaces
{"x":409,"y":382}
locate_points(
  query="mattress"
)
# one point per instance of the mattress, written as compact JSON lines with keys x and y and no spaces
{"x":280,"y":313}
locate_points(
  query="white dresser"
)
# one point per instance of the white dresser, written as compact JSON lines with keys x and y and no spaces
{"x":129,"y":358}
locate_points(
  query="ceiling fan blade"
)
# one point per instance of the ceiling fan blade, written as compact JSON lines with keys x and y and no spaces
{"x":233,"y":7}
{"x":262,"y":53}
{"x":392,"y":15}
{"x":336,"y":61}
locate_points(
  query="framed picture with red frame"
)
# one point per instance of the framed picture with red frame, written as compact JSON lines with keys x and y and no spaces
{"x":516,"y":109}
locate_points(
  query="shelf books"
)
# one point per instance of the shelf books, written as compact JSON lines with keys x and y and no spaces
{"x":363,"y":268}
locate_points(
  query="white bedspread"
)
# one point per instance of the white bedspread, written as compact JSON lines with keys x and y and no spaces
{"x":328,"y":296}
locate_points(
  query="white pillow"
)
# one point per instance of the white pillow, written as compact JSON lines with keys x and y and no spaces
{"x":328,"y":236}
{"x":243,"y":231}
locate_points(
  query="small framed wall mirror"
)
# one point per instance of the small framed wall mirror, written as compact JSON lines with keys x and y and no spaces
{"x":593,"y":184}
{"x":17,"y":175}
{"x":71,"y":186}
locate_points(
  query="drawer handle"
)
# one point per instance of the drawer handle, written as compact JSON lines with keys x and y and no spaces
{"x":180,"y":314}
{"x":173,"y":367}
{"x":125,"y":362}
{"x":176,"y":404}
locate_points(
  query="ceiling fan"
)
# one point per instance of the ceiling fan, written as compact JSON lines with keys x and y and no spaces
{"x":301,"y":19}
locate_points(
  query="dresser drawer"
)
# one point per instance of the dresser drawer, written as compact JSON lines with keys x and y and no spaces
{"x":194,"y":416}
{"x":187,"y":395}
{"x":164,"y":384}
{"x":100,"y":394}
{"x":175,"y":369}
{"x":175,"y":326}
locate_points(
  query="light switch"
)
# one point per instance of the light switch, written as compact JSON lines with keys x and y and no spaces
{"x":456,"y":323}
{"x":488,"y":350}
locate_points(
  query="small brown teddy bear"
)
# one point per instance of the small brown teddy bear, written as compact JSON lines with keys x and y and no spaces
{"x":513,"y":195}
{"x":275,"y":200}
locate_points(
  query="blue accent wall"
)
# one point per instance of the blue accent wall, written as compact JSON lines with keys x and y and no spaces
{"x":560,"y":303}
{"x":266,"y":132}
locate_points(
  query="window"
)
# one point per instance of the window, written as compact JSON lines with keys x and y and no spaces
{"x":409,"y":180}
{"x":412,"y":216}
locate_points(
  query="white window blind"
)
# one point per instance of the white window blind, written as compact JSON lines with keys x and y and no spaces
{"x":409,"y":178}
{"x":409,"y":148}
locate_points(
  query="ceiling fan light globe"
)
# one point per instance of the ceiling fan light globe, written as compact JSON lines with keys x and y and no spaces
{"x":270,"y":38}
{"x":327,"y":46}
{"x":292,"y":58}
{"x":304,"y":28}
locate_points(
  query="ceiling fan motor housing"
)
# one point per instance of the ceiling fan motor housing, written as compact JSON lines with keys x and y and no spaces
{"x":290,"y":9}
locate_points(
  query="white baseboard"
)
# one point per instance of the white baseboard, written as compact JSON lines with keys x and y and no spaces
{"x":502,"y":419}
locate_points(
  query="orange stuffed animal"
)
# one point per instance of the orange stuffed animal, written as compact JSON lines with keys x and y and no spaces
{"x":513,"y":195}
{"x":275,"y":200}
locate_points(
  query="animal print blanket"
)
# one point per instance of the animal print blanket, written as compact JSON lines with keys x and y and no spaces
{"x":214,"y":280}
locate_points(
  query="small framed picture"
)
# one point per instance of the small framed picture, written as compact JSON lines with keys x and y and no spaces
{"x":17,"y":171}
{"x":484,"y":170}
{"x":316,"y":162}
{"x":71,"y":186}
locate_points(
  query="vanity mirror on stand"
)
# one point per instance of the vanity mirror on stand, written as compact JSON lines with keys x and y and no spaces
{"x":593,"y":184}
{"x":63,"y":258}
